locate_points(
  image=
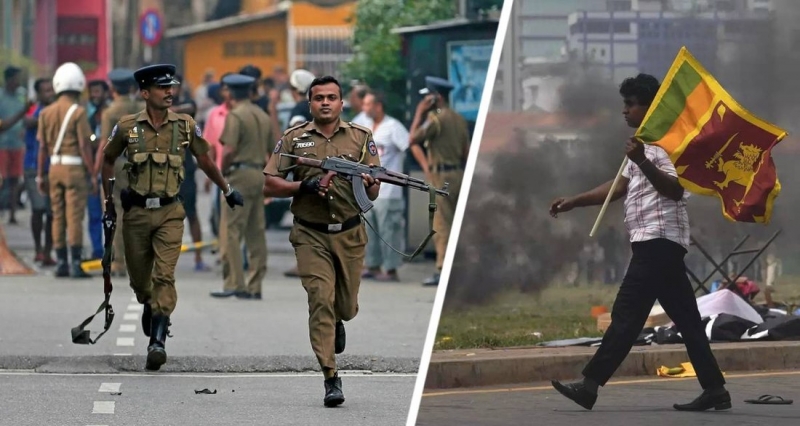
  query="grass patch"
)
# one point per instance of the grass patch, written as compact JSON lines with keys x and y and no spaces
{"x":515,"y":319}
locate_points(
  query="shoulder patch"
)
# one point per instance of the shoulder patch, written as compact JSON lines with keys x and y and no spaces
{"x":278,"y":146}
{"x":197,"y":131}
{"x":295,"y":127}
{"x":114,"y":131}
{"x":372,"y":148}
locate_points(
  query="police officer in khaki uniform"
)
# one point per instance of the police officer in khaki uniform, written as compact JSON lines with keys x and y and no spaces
{"x":65,"y":136}
{"x":121,"y":105}
{"x":446,"y":138}
{"x":328,"y":236}
{"x":152,"y":222}
{"x":245,"y":139}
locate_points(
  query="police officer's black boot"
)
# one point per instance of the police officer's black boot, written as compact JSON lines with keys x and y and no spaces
{"x":156,"y":352}
{"x":62,"y":265}
{"x":76,"y":271}
{"x":341,"y":337}
{"x":147,"y":319}
{"x":333,"y":391}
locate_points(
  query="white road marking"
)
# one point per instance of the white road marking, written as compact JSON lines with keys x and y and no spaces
{"x":123,"y":354}
{"x":130,"y":316}
{"x":127,"y":328}
{"x":133,"y":299}
{"x":109,"y":387}
{"x":125,"y":341}
{"x":103,"y":407}
{"x":135,"y":307}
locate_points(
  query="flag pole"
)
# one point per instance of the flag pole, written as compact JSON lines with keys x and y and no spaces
{"x":608,"y":197}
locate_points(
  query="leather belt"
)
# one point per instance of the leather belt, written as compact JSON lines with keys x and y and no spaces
{"x":66,"y":160}
{"x":445,"y":168}
{"x":150,"y":202}
{"x":332,"y":228}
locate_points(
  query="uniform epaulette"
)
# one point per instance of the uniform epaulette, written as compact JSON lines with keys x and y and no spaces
{"x":295,"y":127}
{"x":184,"y":117}
{"x":359,"y":127}
{"x":129,"y":117}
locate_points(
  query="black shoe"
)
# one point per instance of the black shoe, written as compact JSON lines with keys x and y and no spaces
{"x":62,"y":265}
{"x":341,"y":338}
{"x":156,"y":352}
{"x":147,"y":317}
{"x":242,"y":295}
{"x":717,"y":398}
{"x":333,"y":391}
{"x":257,"y":296}
{"x":76,"y":271}
{"x":222,"y":294}
{"x":433,"y":280}
{"x":576,"y":392}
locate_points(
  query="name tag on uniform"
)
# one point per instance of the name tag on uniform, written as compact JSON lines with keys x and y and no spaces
{"x":304,"y":144}
{"x":334,"y":227}
{"x":133,"y":135}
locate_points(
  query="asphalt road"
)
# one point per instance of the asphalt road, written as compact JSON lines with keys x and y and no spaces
{"x":158,"y":399}
{"x":639,"y":401}
{"x":210,"y":336}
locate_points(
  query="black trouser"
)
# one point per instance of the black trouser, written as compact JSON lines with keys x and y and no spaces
{"x":656,"y":271}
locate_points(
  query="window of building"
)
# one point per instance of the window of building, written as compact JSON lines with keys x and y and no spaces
{"x":232,"y":49}
{"x":600,"y":27}
{"x":619,"y":5}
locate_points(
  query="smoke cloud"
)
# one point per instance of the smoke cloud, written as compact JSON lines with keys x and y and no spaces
{"x":509,"y":241}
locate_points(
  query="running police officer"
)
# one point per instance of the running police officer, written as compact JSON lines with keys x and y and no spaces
{"x":152,"y":224}
{"x":328,"y":236}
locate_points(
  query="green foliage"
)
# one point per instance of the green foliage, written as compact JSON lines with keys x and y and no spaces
{"x":376,"y":50}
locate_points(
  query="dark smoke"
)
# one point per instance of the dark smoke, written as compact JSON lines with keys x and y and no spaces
{"x":508,"y":241}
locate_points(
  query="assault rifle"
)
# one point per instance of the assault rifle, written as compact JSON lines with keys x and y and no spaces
{"x":352,"y":171}
{"x":79,"y":335}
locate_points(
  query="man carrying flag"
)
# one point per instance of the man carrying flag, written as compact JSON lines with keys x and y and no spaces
{"x":699,"y":138}
{"x":658,"y":224}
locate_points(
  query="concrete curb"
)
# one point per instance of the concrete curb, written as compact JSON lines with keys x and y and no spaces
{"x":461,"y":369}
{"x":109,"y":364}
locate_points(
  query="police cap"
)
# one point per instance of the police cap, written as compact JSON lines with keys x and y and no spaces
{"x":156,"y":75}
{"x":121,"y":76}
{"x":436,"y":85}
{"x":238,"y":81}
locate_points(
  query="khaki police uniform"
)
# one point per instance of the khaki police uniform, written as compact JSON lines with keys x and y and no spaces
{"x":328,"y":236}
{"x":446,"y":138}
{"x":119,"y":108}
{"x":152,"y":225}
{"x":68,"y":176}
{"x":247,"y":132}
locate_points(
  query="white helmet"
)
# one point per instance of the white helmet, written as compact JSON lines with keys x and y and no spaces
{"x":69,"y":77}
{"x":301,"y":80}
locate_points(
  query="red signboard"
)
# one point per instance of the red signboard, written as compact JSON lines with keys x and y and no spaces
{"x":77,"y":41}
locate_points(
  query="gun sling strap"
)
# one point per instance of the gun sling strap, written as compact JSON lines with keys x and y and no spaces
{"x":81,"y":336}
{"x":431,"y":212}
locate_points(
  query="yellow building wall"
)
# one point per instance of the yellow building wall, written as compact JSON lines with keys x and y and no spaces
{"x":307,"y":15}
{"x":207,"y":50}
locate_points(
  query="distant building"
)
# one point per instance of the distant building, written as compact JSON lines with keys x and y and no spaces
{"x":268,"y":33}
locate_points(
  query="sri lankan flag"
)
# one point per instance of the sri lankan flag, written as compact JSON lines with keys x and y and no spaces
{"x":718,"y":147}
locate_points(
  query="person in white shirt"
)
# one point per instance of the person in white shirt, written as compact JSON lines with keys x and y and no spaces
{"x":387,"y":215}
{"x":658,"y":225}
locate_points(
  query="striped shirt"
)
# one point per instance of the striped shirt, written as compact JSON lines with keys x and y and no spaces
{"x":648,"y":214}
